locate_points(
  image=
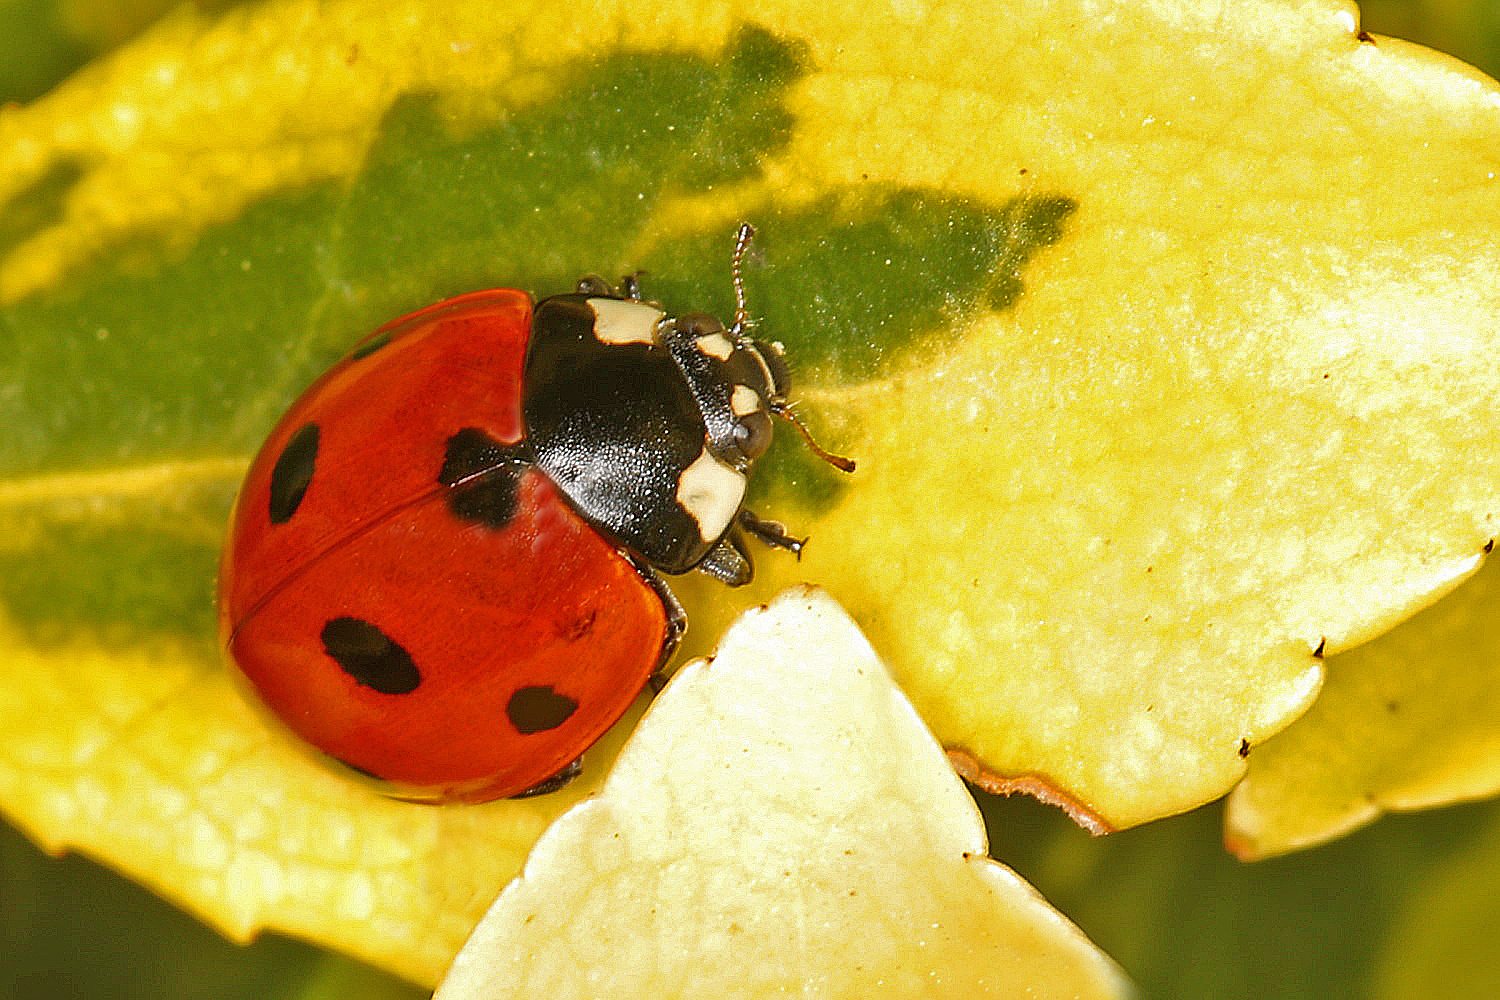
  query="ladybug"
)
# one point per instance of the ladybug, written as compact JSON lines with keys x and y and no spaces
{"x":445,"y":566}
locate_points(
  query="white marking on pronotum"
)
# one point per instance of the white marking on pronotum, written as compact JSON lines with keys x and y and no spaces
{"x":744,"y":401}
{"x":617,"y":321}
{"x":715,"y":345}
{"x":711,"y":492}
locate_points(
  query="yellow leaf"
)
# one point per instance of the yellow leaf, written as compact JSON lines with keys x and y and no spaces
{"x":1243,"y":410}
{"x":1406,"y":721}
{"x":1162,"y":335}
{"x":781,"y":823}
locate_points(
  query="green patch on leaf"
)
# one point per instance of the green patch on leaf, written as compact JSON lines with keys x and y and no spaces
{"x":555,"y":191}
{"x":855,"y":280}
{"x":127,"y":568}
{"x":155,"y":353}
{"x":886,"y":272}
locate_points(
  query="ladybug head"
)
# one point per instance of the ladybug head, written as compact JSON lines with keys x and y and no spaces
{"x":740,"y":384}
{"x":760,"y":367}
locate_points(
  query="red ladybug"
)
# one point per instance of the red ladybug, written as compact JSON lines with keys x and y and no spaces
{"x":443,"y":567}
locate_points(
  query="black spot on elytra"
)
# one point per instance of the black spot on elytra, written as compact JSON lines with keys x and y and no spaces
{"x":370,"y":656}
{"x":472,"y":452}
{"x":537,"y":709}
{"x":292,"y":473}
{"x":485,"y":475}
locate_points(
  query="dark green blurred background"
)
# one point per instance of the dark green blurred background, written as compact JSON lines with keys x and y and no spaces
{"x":1182,"y":917}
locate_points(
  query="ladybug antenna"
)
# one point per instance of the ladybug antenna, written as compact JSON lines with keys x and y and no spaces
{"x":742,"y":320}
{"x":784,"y":411}
{"x":736,"y":267}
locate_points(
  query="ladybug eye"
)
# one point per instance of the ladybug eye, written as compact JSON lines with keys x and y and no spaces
{"x":776,"y":367}
{"x":738,"y":382}
{"x":753,"y":434}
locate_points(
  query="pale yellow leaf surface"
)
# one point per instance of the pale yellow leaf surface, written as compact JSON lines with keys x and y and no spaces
{"x":781,"y":823}
{"x":1406,"y":721}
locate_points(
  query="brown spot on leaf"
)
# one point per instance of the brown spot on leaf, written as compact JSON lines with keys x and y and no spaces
{"x":1038,"y":786}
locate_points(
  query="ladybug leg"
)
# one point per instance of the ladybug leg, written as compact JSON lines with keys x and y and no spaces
{"x":728,"y":562}
{"x":772,"y":533}
{"x":676,"y":617}
{"x":558,"y":781}
{"x":592,"y":284}
{"x":676,"y":621}
{"x":630,"y":285}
